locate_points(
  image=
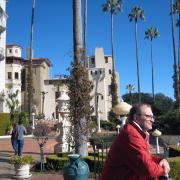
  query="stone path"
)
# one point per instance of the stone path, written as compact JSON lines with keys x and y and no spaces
{"x":30,"y":147}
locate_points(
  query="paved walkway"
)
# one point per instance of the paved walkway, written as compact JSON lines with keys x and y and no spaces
{"x":30,"y":147}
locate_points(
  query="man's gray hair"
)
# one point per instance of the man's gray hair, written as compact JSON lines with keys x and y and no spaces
{"x":136,"y":109}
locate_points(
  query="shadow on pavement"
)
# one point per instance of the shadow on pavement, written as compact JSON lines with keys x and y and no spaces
{"x":7,"y":176}
{"x":4,"y":160}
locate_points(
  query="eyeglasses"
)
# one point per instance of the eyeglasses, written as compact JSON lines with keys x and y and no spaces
{"x":147,"y":116}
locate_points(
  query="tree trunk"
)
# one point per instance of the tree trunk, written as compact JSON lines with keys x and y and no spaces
{"x":137,"y":62}
{"x":152,"y":71}
{"x":30,"y":73}
{"x":175,"y":76}
{"x":79,"y":138}
{"x":85,"y":32}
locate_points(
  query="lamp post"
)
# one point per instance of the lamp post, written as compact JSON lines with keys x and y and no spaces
{"x":156,"y":133}
{"x":121,"y":110}
{"x":118,"y":127}
{"x":33,"y":118}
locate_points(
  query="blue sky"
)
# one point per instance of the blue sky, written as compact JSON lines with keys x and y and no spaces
{"x":53,"y":38}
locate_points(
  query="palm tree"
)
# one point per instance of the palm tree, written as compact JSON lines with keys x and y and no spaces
{"x":175,"y":76}
{"x":137,"y":13}
{"x":85,"y":32}
{"x":175,"y":8}
{"x":152,"y":33}
{"x":130,"y":88}
{"x":79,"y":87}
{"x":30,"y":73}
{"x":114,"y":7}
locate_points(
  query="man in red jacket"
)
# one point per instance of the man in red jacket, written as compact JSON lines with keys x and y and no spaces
{"x":129,"y":157}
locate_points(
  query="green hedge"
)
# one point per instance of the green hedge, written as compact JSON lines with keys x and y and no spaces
{"x":4,"y":123}
{"x":174,"y":151}
{"x":175,"y":167}
{"x":99,"y":163}
{"x":56,"y":163}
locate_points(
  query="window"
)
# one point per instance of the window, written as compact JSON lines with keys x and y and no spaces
{"x":92,"y":60}
{"x":92,"y":87}
{"x":100,"y":71}
{"x":109,"y":71}
{"x":10,"y":50}
{"x":91,"y":72}
{"x":9,"y":75}
{"x":102,"y":97}
{"x":16,"y":51}
{"x":95,"y":72}
{"x":106,"y":59}
{"x":16,"y":75}
{"x":109,"y":89}
{"x":57,"y":94}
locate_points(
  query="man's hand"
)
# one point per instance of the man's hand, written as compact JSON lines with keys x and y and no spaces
{"x":165,"y":165}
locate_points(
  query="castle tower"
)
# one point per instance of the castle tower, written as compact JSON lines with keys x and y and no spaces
{"x":3,"y":18}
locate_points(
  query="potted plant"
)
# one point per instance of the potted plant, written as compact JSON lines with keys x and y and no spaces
{"x":22,"y":165}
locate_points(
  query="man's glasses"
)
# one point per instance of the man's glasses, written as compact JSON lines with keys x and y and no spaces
{"x":147,"y":116}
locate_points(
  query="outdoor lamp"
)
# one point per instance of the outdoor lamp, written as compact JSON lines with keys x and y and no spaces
{"x":156,"y":133}
{"x":121,"y":110}
{"x":118,"y":127}
{"x":33,"y":115}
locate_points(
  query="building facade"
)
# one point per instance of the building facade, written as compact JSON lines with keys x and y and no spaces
{"x":3,"y":18}
{"x":13,"y":77}
{"x":48,"y":90}
{"x":100,"y":72}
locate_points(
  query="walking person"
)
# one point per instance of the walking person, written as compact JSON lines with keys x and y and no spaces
{"x":129,"y":157}
{"x":19,"y":133}
{"x":13,"y":139}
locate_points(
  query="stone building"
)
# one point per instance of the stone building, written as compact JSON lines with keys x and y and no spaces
{"x":3,"y":18}
{"x":47,"y":90}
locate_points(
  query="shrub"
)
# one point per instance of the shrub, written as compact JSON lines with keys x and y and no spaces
{"x":96,"y":165}
{"x":4,"y":123}
{"x":108,"y":125}
{"x":174,"y":151}
{"x":22,"y":160}
{"x":56,"y":163}
{"x":175,"y":167}
{"x":63,"y":154}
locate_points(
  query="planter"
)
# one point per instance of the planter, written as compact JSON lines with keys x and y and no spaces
{"x":76,"y":169}
{"x":22,"y":171}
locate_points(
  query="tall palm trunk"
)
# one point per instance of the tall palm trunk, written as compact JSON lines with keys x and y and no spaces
{"x":175,"y":76}
{"x":85,"y":33}
{"x":112,"y":43}
{"x":79,"y":136}
{"x":178,"y":71}
{"x":113,"y":78}
{"x":152,"y":71}
{"x":137,"y":62}
{"x":30,"y":73}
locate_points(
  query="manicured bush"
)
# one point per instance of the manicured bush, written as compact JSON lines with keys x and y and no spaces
{"x":63,"y":154}
{"x":94,"y":165}
{"x":56,"y":163}
{"x":4,"y":123}
{"x":175,"y":167}
{"x":22,"y":160}
{"x":108,"y":125}
{"x":174,"y":151}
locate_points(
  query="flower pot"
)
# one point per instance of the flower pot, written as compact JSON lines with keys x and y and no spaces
{"x":22,"y":171}
{"x":76,"y":169}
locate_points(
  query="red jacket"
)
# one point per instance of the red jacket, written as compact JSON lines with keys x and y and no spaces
{"x":129,"y":157}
